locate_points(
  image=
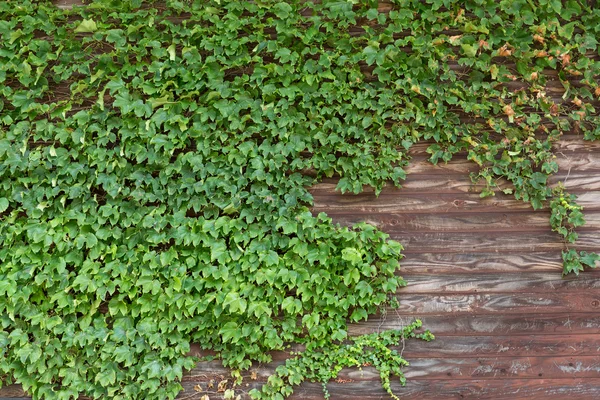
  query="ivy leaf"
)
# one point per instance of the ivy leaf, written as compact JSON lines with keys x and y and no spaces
{"x":282,"y":10}
{"x":589,"y":259}
{"x":271,"y":258}
{"x":230,"y":332}
{"x":86,"y":26}
{"x":171,"y":51}
{"x":352,"y":255}
{"x":235,"y":303}
{"x":3,"y":204}
{"x":469,"y":50}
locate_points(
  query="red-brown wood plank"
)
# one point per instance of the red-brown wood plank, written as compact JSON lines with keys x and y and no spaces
{"x":471,"y":243}
{"x":501,"y":389}
{"x":395,"y":202}
{"x":497,"y":303}
{"x":435,"y":181}
{"x":462,"y":222}
{"x":460,"y":368}
{"x":571,"y":323}
{"x":474,"y":264}
{"x":528,"y":282}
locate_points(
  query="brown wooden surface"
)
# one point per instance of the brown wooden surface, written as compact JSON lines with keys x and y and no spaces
{"x":484,"y":275}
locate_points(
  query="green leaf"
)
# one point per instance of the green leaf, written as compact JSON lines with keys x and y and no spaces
{"x":469,"y":50}
{"x":271,"y":258}
{"x":3,"y":204}
{"x":230,"y":332}
{"x":235,"y":303}
{"x":352,"y":255}
{"x":86,"y":26}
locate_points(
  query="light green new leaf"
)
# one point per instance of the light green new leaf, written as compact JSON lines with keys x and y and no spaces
{"x":86,"y":26}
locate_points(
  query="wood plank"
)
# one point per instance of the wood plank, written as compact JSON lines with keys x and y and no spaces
{"x":569,"y":163}
{"x":67,"y":4}
{"x":435,"y":181}
{"x":399,"y":203}
{"x":496,"y":303}
{"x":568,"y":144}
{"x":12,"y":392}
{"x":491,"y":367}
{"x":475,"y":264}
{"x":531,"y":282}
{"x":394,"y":223}
{"x":505,"y":346}
{"x":470,"y":243}
{"x":480,"y":346}
{"x":501,"y":389}
{"x":572,"y":161}
{"x":460,"y":368}
{"x":496,"y":324}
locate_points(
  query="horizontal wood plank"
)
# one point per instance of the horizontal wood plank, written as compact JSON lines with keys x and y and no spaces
{"x":398,"y":203}
{"x":434,"y":181}
{"x":497,"y":303}
{"x":464,"y":222}
{"x":460,"y":368}
{"x":496,"y":324}
{"x":505,"y":346}
{"x":469,"y":243}
{"x":474,"y":264}
{"x":479,"y":346}
{"x":501,"y":389}
{"x":530,"y":282}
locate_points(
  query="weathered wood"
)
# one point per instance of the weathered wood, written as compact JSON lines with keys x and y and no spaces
{"x":67,"y":4}
{"x":479,"y":346}
{"x":394,"y":223}
{"x":565,"y":146}
{"x":572,"y":161}
{"x":470,"y":243}
{"x":505,"y":346}
{"x":435,"y":181}
{"x":495,"y":324}
{"x":12,"y":392}
{"x":502,"y":389}
{"x":530,"y":282}
{"x":497,"y":303}
{"x":528,"y":367}
{"x":395,"y":201}
{"x":480,"y":263}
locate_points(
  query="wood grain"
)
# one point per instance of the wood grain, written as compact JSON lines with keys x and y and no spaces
{"x":469,"y":243}
{"x":471,"y":324}
{"x":435,"y":181}
{"x":505,"y":346}
{"x":460,"y":222}
{"x":502,"y":389}
{"x":474,"y":264}
{"x":396,"y":202}
{"x":460,"y":368}
{"x":529,"y":282}
{"x":497,"y":303}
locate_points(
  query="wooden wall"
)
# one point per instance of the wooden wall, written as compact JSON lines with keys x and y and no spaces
{"x":484,"y":276}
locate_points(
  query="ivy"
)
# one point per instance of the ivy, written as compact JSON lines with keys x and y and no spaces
{"x":155,"y":160}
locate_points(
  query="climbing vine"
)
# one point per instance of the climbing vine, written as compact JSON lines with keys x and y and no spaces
{"x":155,"y":159}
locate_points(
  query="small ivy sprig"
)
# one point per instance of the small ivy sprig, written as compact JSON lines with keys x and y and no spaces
{"x":322,"y":364}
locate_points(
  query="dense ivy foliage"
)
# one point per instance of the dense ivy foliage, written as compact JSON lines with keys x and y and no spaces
{"x":155,"y":159}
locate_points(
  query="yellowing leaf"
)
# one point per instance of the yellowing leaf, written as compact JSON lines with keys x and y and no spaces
{"x":86,"y":26}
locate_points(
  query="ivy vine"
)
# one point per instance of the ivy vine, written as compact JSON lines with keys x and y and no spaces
{"x":155,"y":159}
